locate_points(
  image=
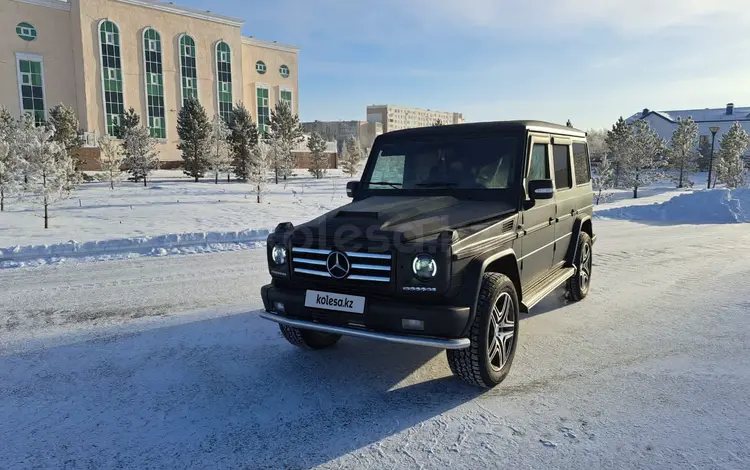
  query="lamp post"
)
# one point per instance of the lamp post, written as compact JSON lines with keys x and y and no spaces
{"x":713,"y":130}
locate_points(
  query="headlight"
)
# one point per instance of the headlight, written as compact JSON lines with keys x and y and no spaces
{"x":424,"y":267}
{"x":278,"y":255}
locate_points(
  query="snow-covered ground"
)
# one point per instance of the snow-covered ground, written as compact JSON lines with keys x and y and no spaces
{"x":99,"y":369}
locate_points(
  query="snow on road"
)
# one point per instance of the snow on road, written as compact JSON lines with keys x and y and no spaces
{"x":97,"y":370}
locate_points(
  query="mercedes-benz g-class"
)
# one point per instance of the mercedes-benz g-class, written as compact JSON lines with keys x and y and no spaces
{"x":452,"y":233}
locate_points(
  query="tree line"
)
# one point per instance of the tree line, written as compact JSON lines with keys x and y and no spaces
{"x":632,"y":155}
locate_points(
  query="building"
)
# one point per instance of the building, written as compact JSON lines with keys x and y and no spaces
{"x":303,"y":155}
{"x":395,"y":118}
{"x":339,"y":131}
{"x":665,"y":122}
{"x":102,"y":57}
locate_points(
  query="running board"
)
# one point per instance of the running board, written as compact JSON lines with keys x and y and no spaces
{"x":542,"y":287}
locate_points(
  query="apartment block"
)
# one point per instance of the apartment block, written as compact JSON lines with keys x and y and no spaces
{"x":394,"y":118}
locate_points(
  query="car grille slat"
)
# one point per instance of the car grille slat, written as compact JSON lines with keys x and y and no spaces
{"x":369,"y":267}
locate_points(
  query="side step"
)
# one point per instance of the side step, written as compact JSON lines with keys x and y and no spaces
{"x":543,"y":286}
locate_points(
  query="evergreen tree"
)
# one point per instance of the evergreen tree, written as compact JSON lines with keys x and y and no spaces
{"x":141,"y":156}
{"x":286,"y":132}
{"x":704,"y":151}
{"x":597,"y":142}
{"x":219,"y":158}
{"x":351,"y":158}
{"x":603,"y":178}
{"x":318,"y":158}
{"x":258,"y":168}
{"x":11,"y":162}
{"x":128,"y":121}
{"x":67,"y":133}
{"x":112,"y":158}
{"x":681,"y":152}
{"x":641,"y":161}
{"x":7,"y":123}
{"x":731,"y":166}
{"x":242,"y":139}
{"x":194,"y":131}
{"x":49,"y":168}
{"x":618,"y":143}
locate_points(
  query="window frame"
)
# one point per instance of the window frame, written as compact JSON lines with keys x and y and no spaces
{"x":109,"y":38}
{"x":284,"y":67}
{"x":291,"y":95}
{"x":263,"y":127}
{"x":261,"y":67}
{"x":152,"y":79}
{"x":22,"y":56}
{"x":542,"y":140}
{"x":113,"y":117}
{"x":183,"y":52}
{"x":223,"y":56}
{"x":567,"y":143}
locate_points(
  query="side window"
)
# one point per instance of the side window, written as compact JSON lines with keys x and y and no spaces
{"x":581,"y":159}
{"x":539,"y":165}
{"x":561,"y":157}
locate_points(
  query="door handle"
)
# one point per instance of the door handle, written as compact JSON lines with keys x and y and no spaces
{"x":551,"y":219}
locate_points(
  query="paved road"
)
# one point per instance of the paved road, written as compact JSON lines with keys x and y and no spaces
{"x":99,"y":369}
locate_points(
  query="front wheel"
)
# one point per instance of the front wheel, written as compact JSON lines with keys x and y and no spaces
{"x":578,"y":285}
{"x":308,"y":339}
{"x":494,"y":335}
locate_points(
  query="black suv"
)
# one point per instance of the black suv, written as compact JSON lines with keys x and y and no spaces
{"x":452,"y":232}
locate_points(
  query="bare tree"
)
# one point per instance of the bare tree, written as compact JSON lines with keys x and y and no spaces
{"x":219,"y":154}
{"x":50,"y":167}
{"x":112,"y":158}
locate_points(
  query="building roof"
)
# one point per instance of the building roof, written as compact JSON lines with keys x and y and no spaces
{"x":482,"y":127}
{"x":269,"y":44}
{"x":698,"y":115}
{"x":191,"y":12}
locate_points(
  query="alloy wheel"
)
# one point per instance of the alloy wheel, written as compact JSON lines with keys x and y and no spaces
{"x":501,"y":332}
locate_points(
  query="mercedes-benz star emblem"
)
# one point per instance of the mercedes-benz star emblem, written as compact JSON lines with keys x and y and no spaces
{"x":338,"y":265}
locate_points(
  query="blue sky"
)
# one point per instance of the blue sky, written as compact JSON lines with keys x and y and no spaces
{"x":587,"y":60}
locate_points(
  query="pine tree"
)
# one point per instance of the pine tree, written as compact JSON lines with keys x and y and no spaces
{"x":644,"y":157}
{"x":603,"y":178}
{"x":219,"y":158}
{"x":67,"y":133}
{"x":11,"y":162}
{"x":49,"y":169}
{"x":258,"y":166}
{"x":286,"y":131}
{"x":597,"y":142}
{"x":112,"y":158}
{"x":681,"y":152}
{"x":352,"y":157}
{"x":704,"y":160}
{"x":194,"y":131}
{"x":242,"y":139}
{"x":318,"y":158}
{"x":731,"y":166}
{"x":141,"y":155}
{"x":618,"y":144}
{"x":128,"y":121}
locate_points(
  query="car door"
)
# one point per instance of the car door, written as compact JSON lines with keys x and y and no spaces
{"x":538,"y":219}
{"x":566,"y":197}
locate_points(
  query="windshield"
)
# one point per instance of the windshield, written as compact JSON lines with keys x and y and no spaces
{"x":477,"y":163}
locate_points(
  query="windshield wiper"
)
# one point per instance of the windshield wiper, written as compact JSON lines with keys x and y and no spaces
{"x":392,"y":185}
{"x":436,"y":184}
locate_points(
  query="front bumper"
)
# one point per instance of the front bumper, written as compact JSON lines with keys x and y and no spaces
{"x":381,"y":320}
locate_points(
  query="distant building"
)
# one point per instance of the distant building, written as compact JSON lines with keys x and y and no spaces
{"x":302,"y":153}
{"x":665,"y":122}
{"x":338,"y":131}
{"x":394,"y":118}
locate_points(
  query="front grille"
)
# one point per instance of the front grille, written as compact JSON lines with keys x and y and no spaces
{"x":366,"y":267}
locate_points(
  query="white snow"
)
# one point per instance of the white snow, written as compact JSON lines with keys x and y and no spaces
{"x":162,"y":363}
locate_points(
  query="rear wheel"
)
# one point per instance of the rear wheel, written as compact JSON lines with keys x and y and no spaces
{"x":578,"y":285}
{"x":494,"y":335}
{"x":308,"y":339}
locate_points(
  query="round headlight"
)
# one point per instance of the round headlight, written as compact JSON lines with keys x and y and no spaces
{"x":424,"y":267}
{"x":278,"y":254}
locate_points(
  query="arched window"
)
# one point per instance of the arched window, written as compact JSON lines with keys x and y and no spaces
{"x":152,"y":64}
{"x":109,"y":49}
{"x":188,"y":69}
{"x":224,"y":79}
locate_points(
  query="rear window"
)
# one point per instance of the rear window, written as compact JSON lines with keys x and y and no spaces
{"x":581,"y":159}
{"x":561,"y":157}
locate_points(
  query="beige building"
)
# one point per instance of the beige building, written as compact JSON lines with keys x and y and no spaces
{"x":104,"y":56}
{"x":338,"y":131}
{"x":394,"y":118}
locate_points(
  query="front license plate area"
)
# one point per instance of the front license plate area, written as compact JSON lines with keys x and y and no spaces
{"x":331,"y":301}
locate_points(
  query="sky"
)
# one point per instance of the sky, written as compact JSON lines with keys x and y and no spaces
{"x":589,"y":61}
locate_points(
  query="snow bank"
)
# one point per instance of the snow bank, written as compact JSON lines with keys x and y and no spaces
{"x":718,"y":206}
{"x":173,"y":243}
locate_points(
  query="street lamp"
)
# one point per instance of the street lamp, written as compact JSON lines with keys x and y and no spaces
{"x":713,"y":130}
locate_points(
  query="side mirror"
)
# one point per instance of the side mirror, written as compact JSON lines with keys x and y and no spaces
{"x":351,"y":188}
{"x":541,"y":189}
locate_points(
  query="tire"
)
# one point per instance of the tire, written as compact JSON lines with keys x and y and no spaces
{"x":579,"y":285}
{"x":497,"y":304}
{"x":308,"y":339}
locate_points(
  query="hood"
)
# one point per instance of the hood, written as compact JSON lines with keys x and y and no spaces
{"x":402,"y":217}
